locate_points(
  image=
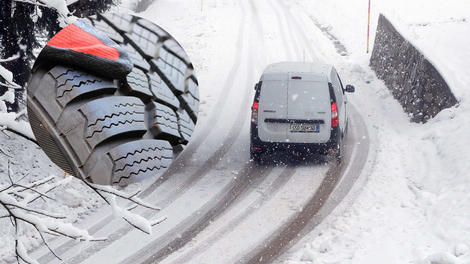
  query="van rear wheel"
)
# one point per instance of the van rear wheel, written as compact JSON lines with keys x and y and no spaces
{"x":335,"y":155}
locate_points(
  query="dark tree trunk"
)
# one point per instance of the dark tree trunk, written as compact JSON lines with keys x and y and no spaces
{"x":9,"y":46}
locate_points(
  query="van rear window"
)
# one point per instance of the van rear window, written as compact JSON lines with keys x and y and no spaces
{"x":306,"y":97}
{"x":273,"y":93}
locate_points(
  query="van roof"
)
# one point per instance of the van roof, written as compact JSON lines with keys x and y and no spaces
{"x":315,"y":68}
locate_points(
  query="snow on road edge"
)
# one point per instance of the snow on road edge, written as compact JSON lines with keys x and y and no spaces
{"x":414,"y":206}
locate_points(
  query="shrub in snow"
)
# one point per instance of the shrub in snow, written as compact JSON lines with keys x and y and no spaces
{"x":325,"y":247}
{"x":308,"y":255}
{"x":460,"y":250}
{"x":71,"y":197}
{"x":442,"y":258}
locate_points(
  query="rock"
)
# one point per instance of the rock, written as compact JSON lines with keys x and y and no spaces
{"x":408,"y":74}
{"x":460,"y":250}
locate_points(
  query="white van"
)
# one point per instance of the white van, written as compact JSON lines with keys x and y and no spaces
{"x":299,"y":107}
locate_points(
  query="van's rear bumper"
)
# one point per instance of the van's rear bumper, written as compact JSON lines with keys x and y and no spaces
{"x":259,"y":146}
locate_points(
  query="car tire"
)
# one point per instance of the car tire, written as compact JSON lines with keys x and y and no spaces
{"x":336,"y":151}
{"x":255,"y":156}
{"x":116,"y":132}
{"x":339,"y":152}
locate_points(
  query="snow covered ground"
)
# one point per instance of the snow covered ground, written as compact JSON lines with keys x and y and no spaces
{"x":413,"y":205}
{"x":25,"y":162}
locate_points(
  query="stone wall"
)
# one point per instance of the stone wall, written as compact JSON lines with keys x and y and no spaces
{"x":411,"y":78}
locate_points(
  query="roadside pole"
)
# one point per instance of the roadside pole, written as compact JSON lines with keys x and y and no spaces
{"x":368,"y":24}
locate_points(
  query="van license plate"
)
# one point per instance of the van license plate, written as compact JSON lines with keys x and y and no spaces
{"x":304,"y":128}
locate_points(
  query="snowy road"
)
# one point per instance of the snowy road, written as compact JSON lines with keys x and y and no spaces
{"x":221,"y":208}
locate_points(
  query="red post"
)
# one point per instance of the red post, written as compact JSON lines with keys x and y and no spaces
{"x":368,"y":23}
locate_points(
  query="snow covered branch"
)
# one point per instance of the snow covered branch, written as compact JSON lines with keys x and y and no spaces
{"x":8,"y":77}
{"x":16,"y":198}
{"x":59,"y":6}
{"x":12,"y":122}
{"x":109,"y":195}
{"x":24,"y":205}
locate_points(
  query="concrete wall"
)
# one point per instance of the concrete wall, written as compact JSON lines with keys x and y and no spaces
{"x":411,"y":78}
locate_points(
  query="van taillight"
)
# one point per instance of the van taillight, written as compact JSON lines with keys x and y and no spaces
{"x":334,"y":115}
{"x":254,"y":113}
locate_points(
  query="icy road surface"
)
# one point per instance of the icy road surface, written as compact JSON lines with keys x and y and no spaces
{"x":221,"y":208}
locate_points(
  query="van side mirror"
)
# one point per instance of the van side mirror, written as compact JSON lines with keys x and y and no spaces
{"x":257,"y":86}
{"x":350,"y":88}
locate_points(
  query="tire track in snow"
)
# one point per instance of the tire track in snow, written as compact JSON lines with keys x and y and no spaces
{"x":295,"y":25}
{"x":218,"y":205}
{"x":221,"y":233}
{"x":196,"y":142}
{"x":191,"y":226}
{"x":281,"y":180}
{"x":284,"y":177}
{"x":294,"y":229}
{"x":284,"y":35}
{"x":191,"y":150}
{"x":213,"y":210}
{"x":337,"y":183}
{"x":258,"y":34}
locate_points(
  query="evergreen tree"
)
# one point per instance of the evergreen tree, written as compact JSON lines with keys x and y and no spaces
{"x":84,"y":8}
{"x":47,"y":22}
{"x":18,"y":34}
{"x":24,"y":41}
{"x":6,"y":36}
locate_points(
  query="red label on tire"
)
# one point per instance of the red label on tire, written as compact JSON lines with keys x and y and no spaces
{"x":74,"y":38}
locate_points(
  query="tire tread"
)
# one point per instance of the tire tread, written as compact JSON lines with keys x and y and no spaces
{"x":118,"y":132}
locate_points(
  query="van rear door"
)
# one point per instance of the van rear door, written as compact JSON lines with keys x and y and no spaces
{"x":273,"y":107}
{"x":308,"y":109}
